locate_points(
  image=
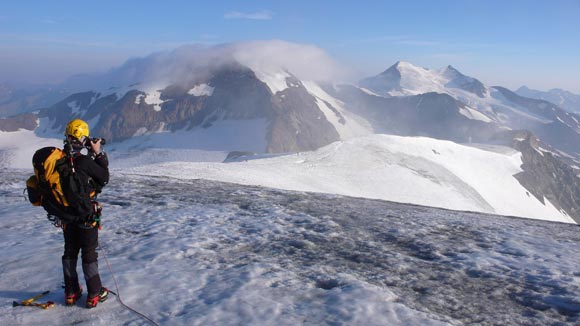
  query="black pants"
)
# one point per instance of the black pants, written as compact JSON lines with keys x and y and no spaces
{"x":78,"y":238}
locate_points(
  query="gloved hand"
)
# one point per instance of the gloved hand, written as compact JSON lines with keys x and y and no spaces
{"x":96,"y":146}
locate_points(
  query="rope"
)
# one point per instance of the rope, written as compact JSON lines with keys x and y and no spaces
{"x":118,"y":294}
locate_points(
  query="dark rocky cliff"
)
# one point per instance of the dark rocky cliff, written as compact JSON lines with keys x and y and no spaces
{"x":298,"y":123}
{"x":546,"y":176}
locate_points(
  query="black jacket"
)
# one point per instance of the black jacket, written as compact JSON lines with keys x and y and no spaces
{"x":94,"y":174}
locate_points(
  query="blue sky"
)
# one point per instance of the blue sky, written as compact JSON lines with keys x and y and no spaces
{"x":508,"y":43}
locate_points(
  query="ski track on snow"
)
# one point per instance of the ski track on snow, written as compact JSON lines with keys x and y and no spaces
{"x":196,"y":252}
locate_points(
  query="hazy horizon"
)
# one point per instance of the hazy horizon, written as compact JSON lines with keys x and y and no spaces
{"x":509,"y":44}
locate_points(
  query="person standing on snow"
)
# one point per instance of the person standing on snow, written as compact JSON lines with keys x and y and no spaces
{"x":93,"y":171}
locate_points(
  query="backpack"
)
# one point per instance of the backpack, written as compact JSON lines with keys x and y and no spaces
{"x":56,"y":187}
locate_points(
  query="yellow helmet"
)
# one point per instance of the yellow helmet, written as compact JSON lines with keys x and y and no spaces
{"x":77,"y":128}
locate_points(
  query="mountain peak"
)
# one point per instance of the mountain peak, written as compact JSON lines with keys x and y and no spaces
{"x":523,"y":88}
{"x":401,"y":63}
{"x":401,"y":66}
{"x":402,"y":78}
{"x":459,"y":80}
{"x":405,"y":78}
{"x":408,"y":65}
{"x":451,"y":72}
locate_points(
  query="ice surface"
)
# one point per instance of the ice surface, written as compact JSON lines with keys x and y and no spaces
{"x":195,"y":252}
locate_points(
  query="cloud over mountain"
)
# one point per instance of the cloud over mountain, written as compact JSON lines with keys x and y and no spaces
{"x":193,"y":62}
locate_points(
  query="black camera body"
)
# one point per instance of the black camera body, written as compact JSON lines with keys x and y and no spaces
{"x":94,"y":139}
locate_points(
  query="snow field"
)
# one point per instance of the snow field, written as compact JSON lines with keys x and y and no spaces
{"x":195,"y":252}
{"x":17,"y":148}
{"x":403,"y":169}
{"x":185,"y":262}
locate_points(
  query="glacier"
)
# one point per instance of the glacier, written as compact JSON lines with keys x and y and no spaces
{"x":199,"y":252}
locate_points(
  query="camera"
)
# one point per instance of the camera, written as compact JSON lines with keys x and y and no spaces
{"x":94,"y":139}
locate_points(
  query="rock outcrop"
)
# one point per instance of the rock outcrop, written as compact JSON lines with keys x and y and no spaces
{"x":546,"y":176}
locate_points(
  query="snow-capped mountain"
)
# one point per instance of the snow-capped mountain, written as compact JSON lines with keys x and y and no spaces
{"x":404,"y":78}
{"x":563,"y":98}
{"x":266,"y":108}
{"x":207,"y":102}
{"x":496,"y":105}
{"x":253,"y":107}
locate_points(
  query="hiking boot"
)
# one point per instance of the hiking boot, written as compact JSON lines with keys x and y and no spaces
{"x":71,"y":298}
{"x":101,"y":297}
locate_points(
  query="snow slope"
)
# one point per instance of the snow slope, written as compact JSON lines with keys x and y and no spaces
{"x":403,"y":169}
{"x":17,"y":148}
{"x":199,"y":144}
{"x":195,"y":252}
{"x":415,"y":170}
{"x":347,"y":124}
{"x":418,"y":80}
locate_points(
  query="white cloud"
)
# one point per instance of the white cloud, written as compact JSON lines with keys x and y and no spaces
{"x":193,"y":63}
{"x":258,"y":15}
{"x":307,"y":62}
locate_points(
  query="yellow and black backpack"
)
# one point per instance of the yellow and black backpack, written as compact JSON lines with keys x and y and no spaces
{"x":56,"y":187}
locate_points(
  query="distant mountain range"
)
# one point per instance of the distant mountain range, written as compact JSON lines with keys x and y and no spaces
{"x":19,"y":99}
{"x":299,"y":115}
{"x":564,"y":99}
{"x":496,"y":106}
{"x":237,"y":104}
